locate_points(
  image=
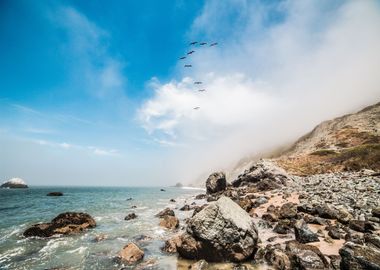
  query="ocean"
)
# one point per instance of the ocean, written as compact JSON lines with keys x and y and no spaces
{"x":20,"y":208}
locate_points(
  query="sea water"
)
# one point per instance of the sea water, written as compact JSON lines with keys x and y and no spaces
{"x":21,"y":208}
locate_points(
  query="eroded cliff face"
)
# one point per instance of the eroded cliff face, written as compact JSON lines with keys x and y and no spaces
{"x":347,"y":143}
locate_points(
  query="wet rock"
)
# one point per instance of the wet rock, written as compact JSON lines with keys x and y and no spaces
{"x":172,"y":200}
{"x":288,"y":210}
{"x":129,"y":199}
{"x":100,"y":237}
{"x":277,"y":258}
{"x":165,"y":212}
{"x":186,"y":207}
{"x":171,"y":244}
{"x":359,"y":257}
{"x":199,"y":265}
{"x":221,"y":231}
{"x":130,"y":216}
{"x":304,"y":256}
{"x":131,"y":254}
{"x":162,"y":189}
{"x":284,"y":226}
{"x":65,"y":223}
{"x":142,"y":238}
{"x":361,"y":226}
{"x":148,"y":264}
{"x":303,"y":233}
{"x":169,"y":222}
{"x":200,"y":196}
{"x":55,"y":193}
{"x":216,"y":182}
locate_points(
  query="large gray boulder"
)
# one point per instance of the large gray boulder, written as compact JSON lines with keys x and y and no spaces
{"x":216,"y":182}
{"x":262,"y":171}
{"x":221,"y":231}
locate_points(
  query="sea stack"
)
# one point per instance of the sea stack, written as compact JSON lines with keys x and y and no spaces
{"x":14,"y":183}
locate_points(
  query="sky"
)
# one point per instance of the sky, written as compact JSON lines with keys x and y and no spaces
{"x":94,"y":92}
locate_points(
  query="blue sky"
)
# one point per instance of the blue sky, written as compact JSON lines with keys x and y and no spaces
{"x":93,"y":89}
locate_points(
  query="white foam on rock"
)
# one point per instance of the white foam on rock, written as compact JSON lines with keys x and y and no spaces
{"x":15,"y":181}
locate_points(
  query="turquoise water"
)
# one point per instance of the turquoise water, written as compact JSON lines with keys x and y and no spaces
{"x":20,"y":208}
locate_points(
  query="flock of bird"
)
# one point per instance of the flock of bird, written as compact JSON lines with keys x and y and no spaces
{"x":194,"y":43}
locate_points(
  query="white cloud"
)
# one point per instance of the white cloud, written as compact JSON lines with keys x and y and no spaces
{"x":269,"y":82}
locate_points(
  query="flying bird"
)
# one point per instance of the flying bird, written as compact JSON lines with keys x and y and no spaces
{"x":194,"y":42}
{"x":187,"y":65}
{"x":191,"y":52}
{"x":203,"y":43}
{"x":197,"y":82}
{"x":183,"y":57}
{"x":201,"y":90}
{"x":196,"y":108}
{"x":214,"y":44}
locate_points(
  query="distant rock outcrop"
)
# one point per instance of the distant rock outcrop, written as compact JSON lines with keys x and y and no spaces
{"x":221,"y":231}
{"x":14,"y":183}
{"x":55,"y":193}
{"x":65,"y":223}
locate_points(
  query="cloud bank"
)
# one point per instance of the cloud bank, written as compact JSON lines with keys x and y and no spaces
{"x":280,"y":69}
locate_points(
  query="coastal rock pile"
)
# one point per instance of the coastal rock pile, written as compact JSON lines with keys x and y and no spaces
{"x":221,"y":231}
{"x":65,"y":223}
{"x":264,"y":174}
{"x":55,"y":193}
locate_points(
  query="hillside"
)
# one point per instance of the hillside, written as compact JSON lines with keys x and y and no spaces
{"x":347,"y":143}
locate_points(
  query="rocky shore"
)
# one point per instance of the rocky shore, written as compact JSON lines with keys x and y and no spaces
{"x":264,"y":219}
{"x":271,"y":219}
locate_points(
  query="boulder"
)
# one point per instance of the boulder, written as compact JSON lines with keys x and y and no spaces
{"x":65,"y":223}
{"x":262,"y":170}
{"x":130,"y":216}
{"x":171,"y":244}
{"x":169,"y":222}
{"x":304,"y":256}
{"x":14,"y":183}
{"x":216,"y":182}
{"x":55,"y":193}
{"x":246,"y":204}
{"x":186,"y":207}
{"x":361,"y":226}
{"x":303,"y":233}
{"x":288,"y":210}
{"x":326,"y":211}
{"x":359,"y":257}
{"x":131,"y":254}
{"x":284,"y":226}
{"x":165,"y":212}
{"x":221,"y":231}
{"x":277,"y":258}
{"x":197,"y":209}
{"x":200,"y":196}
